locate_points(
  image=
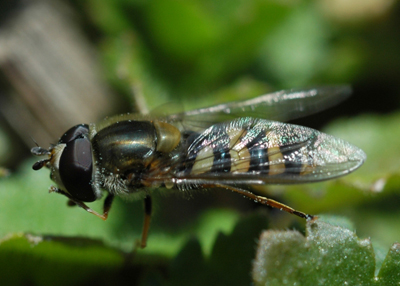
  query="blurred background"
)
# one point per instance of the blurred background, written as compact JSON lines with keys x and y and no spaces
{"x":69,"y":62}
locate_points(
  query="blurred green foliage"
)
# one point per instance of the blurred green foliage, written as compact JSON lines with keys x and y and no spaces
{"x":199,"y":53}
{"x":178,"y":49}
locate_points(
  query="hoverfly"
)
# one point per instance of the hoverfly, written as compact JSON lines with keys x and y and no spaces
{"x":225,"y":146}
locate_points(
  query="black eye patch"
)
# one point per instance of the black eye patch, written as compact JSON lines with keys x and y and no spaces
{"x":76,"y":169}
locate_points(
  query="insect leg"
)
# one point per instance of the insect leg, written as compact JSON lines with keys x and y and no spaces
{"x":71,"y":202}
{"x":147,"y":220}
{"x":266,"y":201}
{"x":107,"y":205}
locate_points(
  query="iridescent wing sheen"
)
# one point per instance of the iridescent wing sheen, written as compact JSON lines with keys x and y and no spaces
{"x":281,"y":106}
{"x":258,"y":151}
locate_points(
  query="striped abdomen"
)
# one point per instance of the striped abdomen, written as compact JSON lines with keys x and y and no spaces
{"x":248,"y":145}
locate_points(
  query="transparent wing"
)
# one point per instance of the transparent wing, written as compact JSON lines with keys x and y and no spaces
{"x":257,"y":151}
{"x":281,"y":106}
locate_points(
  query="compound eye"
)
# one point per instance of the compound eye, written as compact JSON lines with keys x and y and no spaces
{"x":74,"y":132}
{"x":76,"y":169}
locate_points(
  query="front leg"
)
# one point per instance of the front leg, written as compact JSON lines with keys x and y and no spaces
{"x":106,"y":208}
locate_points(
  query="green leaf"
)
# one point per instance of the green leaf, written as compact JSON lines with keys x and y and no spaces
{"x":327,"y":255}
{"x":46,"y":260}
{"x":389,"y":273}
{"x":189,"y":265}
{"x":41,"y":260}
{"x":229,"y":262}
